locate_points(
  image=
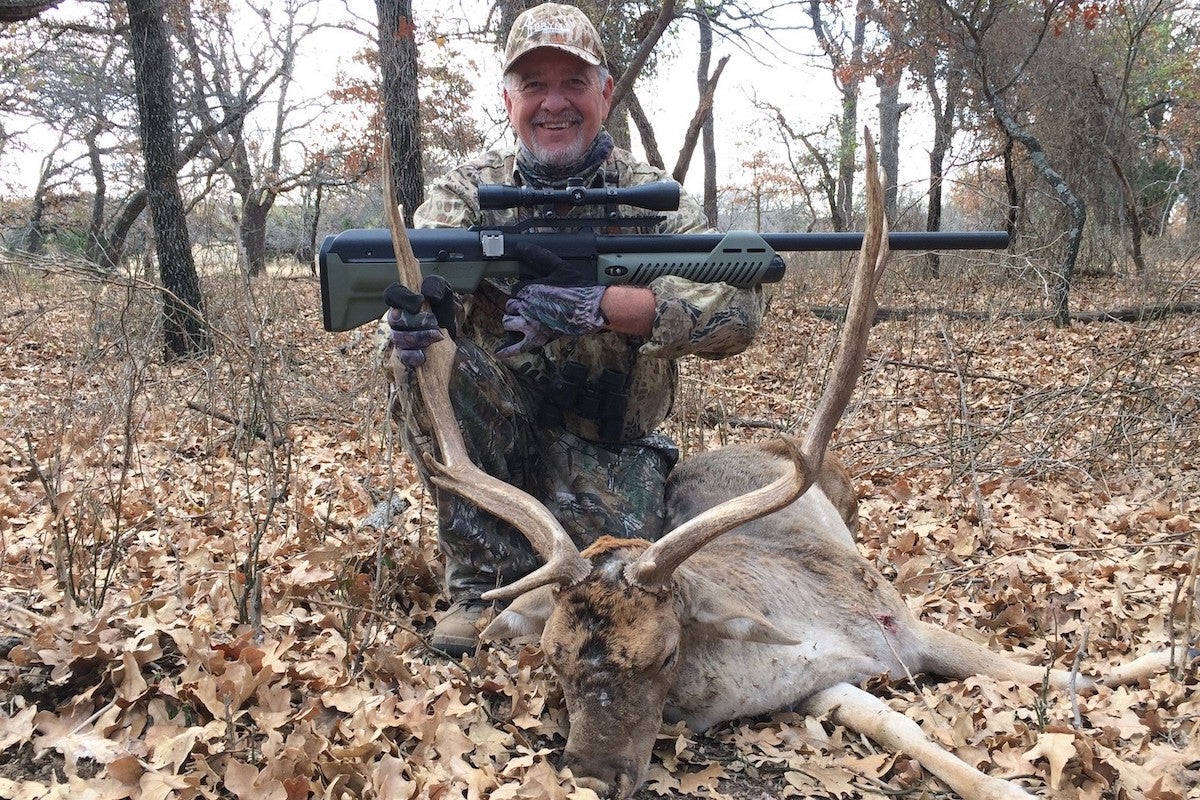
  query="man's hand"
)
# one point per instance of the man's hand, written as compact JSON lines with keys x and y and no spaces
{"x":539,"y":314}
{"x":559,"y":300}
{"x":413,"y":330}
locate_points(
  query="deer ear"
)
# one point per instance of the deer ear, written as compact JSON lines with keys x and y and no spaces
{"x":726,"y":618}
{"x":749,"y":628}
{"x":525,"y":616}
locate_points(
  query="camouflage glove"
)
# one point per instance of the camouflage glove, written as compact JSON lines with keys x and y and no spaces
{"x":539,"y":314}
{"x":413,"y":329}
{"x":555,"y":298}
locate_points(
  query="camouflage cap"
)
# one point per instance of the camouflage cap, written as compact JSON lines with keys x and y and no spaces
{"x":554,"y":25}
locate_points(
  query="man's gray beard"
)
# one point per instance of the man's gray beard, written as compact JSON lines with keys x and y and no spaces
{"x":570,"y":162}
{"x":558,"y":159}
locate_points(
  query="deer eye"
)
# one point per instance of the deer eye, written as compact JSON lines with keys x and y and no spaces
{"x":669,"y":660}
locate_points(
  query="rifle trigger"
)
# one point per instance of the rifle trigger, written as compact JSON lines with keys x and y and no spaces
{"x":492,"y":243}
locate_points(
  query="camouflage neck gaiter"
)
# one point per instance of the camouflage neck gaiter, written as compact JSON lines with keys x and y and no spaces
{"x":543,"y":176}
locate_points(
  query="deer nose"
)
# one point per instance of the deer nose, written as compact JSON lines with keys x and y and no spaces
{"x":611,"y":777}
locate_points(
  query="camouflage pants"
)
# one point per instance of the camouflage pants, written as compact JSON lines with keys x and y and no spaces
{"x":591,"y":488}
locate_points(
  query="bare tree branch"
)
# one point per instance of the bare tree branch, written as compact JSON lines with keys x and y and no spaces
{"x":645,"y":130}
{"x":703,"y":111}
{"x":665,"y":17}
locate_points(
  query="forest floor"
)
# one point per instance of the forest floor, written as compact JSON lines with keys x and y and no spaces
{"x":191,"y":603}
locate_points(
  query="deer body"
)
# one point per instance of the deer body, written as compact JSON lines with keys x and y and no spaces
{"x":800,"y":569}
{"x":787,"y":567}
{"x":721,"y":678}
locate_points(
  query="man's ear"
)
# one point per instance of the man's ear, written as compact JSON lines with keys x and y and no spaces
{"x":507,"y":101}
{"x":525,"y":616}
{"x":606,"y":91}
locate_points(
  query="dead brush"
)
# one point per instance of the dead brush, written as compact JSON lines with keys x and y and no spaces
{"x":111,"y":431}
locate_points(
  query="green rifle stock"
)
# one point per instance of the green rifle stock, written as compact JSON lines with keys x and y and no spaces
{"x":357,"y":265}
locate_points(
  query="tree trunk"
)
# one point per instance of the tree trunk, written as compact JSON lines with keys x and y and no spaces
{"x":848,"y":73}
{"x":255,"y":203}
{"x":848,"y":128}
{"x":1135,"y":218}
{"x":253,"y":230}
{"x":22,"y":10}
{"x":314,"y":225}
{"x":184,"y":330}
{"x":95,"y":249}
{"x":1010,"y":183}
{"x":112,"y":246}
{"x":944,"y":109}
{"x":827,"y":183}
{"x":692,"y":135}
{"x":509,"y":11}
{"x":1190,"y":188}
{"x":645,"y":131}
{"x":398,"y":62}
{"x":890,"y":110}
{"x":1061,"y":291}
{"x":34,"y":232}
{"x":708,"y":143}
{"x":625,"y":82}
{"x":617,"y":125}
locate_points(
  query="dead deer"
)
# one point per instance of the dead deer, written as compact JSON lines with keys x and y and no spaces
{"x":756,"y":600}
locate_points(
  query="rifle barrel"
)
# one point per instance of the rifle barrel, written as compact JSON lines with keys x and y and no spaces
{"x":897,"y":240}
{"x":806,"y":242}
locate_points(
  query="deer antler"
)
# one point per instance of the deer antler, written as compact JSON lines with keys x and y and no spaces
{"x":654,"y":568}
{"x":456,"y":472}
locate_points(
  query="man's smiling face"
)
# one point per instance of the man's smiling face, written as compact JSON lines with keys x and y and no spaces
{"x":557,"y":104}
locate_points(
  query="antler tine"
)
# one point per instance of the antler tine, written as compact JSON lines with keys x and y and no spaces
{"x":654,"y":568}
{"x":456,"y":472}
{"x":860,"y":314}
{"x":563,"y":564}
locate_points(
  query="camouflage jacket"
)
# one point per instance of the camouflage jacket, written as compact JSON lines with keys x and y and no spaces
{"x":707,"y":320}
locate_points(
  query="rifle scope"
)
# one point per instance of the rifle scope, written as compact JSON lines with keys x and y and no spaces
{"x":656,"y":196}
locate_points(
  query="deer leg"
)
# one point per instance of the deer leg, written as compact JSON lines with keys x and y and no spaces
{"x":1145,"y":667}
{"x":952,"y":656}
{"x":868,"y":715}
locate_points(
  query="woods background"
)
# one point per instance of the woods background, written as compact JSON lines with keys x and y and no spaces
{"x":218,"y":570}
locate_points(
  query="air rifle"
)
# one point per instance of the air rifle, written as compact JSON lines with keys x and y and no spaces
{"x":357,"y":265}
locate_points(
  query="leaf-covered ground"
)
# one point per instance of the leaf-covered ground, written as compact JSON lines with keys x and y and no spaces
{"x":196,"y":601}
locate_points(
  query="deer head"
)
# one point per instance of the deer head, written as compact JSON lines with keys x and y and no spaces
{"x":613,"y":636}
{"x":609,"y":617}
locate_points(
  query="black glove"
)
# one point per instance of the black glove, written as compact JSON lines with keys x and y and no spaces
{"x":413,"y":329}
{"x":540,"y":265}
